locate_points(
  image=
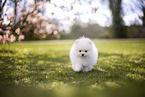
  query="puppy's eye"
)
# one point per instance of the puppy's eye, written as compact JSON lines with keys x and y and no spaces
{"x":79,"y":50}
{"x":86,"y":51}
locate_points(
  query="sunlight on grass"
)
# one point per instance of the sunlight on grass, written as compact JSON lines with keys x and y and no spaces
{"x":112,"y":84}
{"x":47,"y":66}
{"x":137,"y":77}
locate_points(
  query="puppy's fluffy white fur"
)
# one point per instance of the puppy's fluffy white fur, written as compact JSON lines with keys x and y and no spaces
{"x":83,"y":54}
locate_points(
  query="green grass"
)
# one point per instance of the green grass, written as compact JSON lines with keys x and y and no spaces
{"x":46,"y":65}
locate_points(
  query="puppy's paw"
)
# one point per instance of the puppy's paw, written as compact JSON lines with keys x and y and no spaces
{"x":87,"y":69}
{"x":77,"y":67}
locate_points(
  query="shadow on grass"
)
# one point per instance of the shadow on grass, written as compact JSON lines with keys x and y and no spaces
{"x":124,"y":67}
{"x":33,"y":69}
{"x":29,"y":69}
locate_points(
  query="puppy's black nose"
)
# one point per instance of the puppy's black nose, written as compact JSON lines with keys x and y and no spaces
{"x":82,"y":54}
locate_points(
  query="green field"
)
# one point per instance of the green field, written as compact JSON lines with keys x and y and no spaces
{"x":46,"y":65}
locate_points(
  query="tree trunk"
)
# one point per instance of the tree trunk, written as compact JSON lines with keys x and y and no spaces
{"x":143,"y":18}
{"x":2,"y":4}
{"x":15,"y":11}
{"x":0,"y":9}
{"x":118,"y":29}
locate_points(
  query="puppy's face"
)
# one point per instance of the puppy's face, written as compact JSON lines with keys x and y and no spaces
{"x":83,"y":53}
{"x":83,"y":47}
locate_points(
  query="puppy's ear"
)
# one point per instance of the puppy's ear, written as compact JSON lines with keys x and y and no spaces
{"x":77,"y":41}
{"x":89,"y":41}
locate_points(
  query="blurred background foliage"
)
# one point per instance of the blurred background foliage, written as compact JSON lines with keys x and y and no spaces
{"x":20,"y":20}
{"x":96,"y":31}
{"x":90,"y":30}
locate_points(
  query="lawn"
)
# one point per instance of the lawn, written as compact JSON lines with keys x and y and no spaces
{"x":45,"y":66}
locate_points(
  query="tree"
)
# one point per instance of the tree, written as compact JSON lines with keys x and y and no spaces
{"x":30,"y":22}
{"x":15,"y":2}
{"x":138,"y":6}
{"x":2,"y":4}
{"x":118,"y":28}
{"x":142,"y":8}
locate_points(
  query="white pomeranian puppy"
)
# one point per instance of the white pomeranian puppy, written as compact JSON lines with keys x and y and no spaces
{"x":83,"y":55}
